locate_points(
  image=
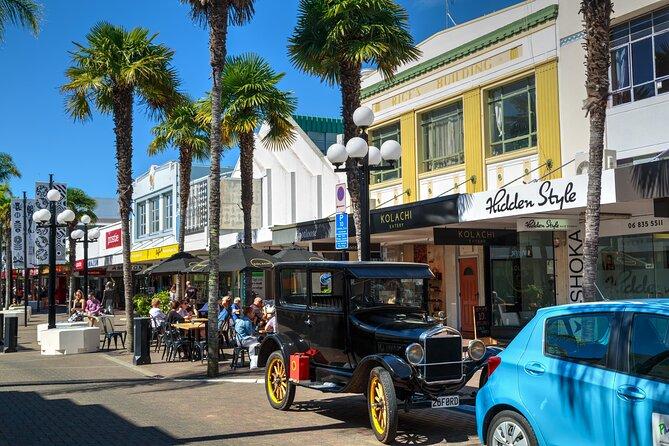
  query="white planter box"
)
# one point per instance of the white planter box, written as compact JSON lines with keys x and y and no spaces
{"x":42,"y":327}
{"x":70,"y":341}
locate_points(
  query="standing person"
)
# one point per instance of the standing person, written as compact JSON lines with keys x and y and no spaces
{"x":108,"y":296}
{"x":173,"y":293}
{"x":92,"y":309}
{"x":191,"y":291}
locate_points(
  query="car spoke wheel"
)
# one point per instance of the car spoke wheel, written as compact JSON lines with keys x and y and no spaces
{"x":510,"y":428}
{"x":382,"y":405}
{"x":280,"y":391}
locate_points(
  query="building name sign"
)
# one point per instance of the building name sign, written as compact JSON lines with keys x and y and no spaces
{"x":449,"y":78}
{"x":545,"y":224}
{"x":474,"y":236}
{"x":504,"y":201}
{"x":419,"y":214}
{"x":575,"y":264}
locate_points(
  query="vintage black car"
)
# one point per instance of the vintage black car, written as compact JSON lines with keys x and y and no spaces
{"x":365,"y":329}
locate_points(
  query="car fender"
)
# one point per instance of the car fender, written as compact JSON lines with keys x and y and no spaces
{"x":496,"y":405}
{"x":276,"y":341}
{"x":471,"y":367}
{"x":400,"y":371}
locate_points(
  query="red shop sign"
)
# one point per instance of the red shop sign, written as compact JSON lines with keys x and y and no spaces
{"x":79,"y":265}
{"x":113,"y":239}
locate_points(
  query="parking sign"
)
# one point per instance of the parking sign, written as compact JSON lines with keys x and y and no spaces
{"x":341,"y":230}
{"x":340,"y":197}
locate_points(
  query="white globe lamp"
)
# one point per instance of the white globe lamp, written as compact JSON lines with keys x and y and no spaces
{"x":374,"y":156}
{"x":391,"y":150}
{"x":77,"y":234}
{"x":363,"y":117}
{"x":53,"y":195}
{"x":85,"y":219}
{"x":337,"y":154}
{"x":93,"y":234}
{"x":67,"y":216}
{"x":356,"y":147}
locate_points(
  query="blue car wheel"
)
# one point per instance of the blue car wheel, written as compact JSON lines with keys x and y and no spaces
{"x":510,"y":428}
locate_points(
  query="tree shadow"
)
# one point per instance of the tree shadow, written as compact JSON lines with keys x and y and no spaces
{"x":26,"y":418}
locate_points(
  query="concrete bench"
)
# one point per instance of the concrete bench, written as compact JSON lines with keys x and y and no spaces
{"x":20,"y":308}
{"x":70,"y":341}
{"x":43,"y":327}
{"x":16,"y":313}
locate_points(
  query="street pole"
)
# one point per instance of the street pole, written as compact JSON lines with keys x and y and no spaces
{"x":26,"y":286}
{"x":52,"y":260}
{"x":85,"y":243}
{"x":365,"y":250}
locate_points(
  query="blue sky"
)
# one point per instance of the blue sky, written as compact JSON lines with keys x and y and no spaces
{"x":42,"y":139}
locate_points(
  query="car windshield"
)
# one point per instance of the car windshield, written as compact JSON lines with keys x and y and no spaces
{"x":367,"y":293}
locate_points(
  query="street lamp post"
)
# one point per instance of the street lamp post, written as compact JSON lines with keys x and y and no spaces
{"x":85,"y":236}
{"x":369,"y":160}
{"x":46,"y":218}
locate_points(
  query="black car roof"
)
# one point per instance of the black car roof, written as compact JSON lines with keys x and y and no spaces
{"x":368,"y":270}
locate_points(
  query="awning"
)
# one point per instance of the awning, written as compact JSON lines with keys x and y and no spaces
{"x":387,"y":270}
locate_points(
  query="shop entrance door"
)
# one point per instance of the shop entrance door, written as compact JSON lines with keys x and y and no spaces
{"x":469,"y":294}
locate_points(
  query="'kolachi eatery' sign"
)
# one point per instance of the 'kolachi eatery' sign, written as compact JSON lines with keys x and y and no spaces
{"x":545,"y":196}
{"x":419,"y":214}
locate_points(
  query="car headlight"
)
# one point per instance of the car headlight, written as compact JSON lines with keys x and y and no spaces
{"x":476,"y":349}
{"x":415,"y":353}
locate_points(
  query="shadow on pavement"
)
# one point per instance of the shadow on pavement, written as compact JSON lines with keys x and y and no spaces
{"x":28,"y":419}
{"x":418,"y":427}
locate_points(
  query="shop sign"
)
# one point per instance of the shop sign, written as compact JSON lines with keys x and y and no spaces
{"x":113,"y":239}
{"x":546,"y":196}
{"x":545,"y":224}
{"x":93,"y":263}
{"x":261,"y":263}
{"x":119,"y":268}
{"x":474,"y":236}
{"x":420,"y":214}
{"x":575,"y":264}
{"x":108,"y":260}
{"x":79,"y":265}
{"x":645,"y":224}
{"x":312,"y":231}
{"x":161,"y":252}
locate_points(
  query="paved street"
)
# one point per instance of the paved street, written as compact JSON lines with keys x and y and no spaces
{"x":100,"y":399}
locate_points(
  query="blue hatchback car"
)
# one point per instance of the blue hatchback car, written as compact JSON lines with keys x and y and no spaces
{"x":584,"y":374}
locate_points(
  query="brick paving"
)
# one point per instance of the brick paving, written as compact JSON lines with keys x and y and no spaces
{"x":99,"y":398}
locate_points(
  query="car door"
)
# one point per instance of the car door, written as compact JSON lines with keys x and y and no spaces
{"x":641,"y":394}
{"x":292,"y":316}
{"x":564,"y":380}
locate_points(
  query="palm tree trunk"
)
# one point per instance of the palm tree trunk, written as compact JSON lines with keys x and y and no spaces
{"x":597,"y":19}
{"x":123,"y":131}
{"x":246,"y":146}
{"x":350,"y":95}
{"x":8,"y":266}
{"x":185,"y":163}
{"x":218,"y":30}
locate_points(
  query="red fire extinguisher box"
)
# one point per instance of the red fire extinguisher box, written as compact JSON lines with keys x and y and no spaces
{"x":299,"y":367}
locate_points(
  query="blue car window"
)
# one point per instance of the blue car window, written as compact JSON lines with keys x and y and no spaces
{"x":649,"y":351}
{"x":581,"y":337}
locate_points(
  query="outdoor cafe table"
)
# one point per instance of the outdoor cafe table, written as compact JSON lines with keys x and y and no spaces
{"x":199,"y":319}
{"x":192,"y":326}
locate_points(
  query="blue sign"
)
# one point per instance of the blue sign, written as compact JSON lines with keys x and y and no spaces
{"x":341,"y":230}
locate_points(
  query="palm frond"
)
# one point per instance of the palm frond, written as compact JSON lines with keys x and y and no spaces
{"x":26,"y":13}
{"x":81,"y":203}
{"x":8,"y":169}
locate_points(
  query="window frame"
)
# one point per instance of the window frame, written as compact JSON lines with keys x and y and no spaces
{"x":630,"y":63}
{"x":141,"y":219}
{"x":168,"y":214}
{"x":424,"y":167}
{"x":282,"y":303}
{"x":626,"y":354}
{"x":151,"y":201}
{"x":612,"y":353}
{"x":533,"y":136}
{"x":380,"y":177}
{"x":333,"y":272}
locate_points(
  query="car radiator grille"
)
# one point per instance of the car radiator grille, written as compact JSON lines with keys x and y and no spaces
{"x":443,"y":348}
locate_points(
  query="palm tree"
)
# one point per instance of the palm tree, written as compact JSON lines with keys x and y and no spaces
{"x":116,"y":68}
{"x":19,"y":12}
{"x":81,"y":204}
{"x":216,"y":14}
{"x":6,"y":234}
{"x":250,"y":96}
{"x":334,"y":38}
{"x":8,"y":170}
{"x":182,"y":129}
{"x":596,"y":21}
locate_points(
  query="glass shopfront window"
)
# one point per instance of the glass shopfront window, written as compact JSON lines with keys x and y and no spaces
{"x":522,"y":279}
{"x":633,"y":266}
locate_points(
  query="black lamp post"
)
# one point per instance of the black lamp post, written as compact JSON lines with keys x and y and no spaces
{"x":85,"y":236}
{"x":369,"y":160}
{"x":46,"y":218}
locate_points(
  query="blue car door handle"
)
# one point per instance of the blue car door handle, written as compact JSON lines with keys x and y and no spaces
{"x":535,"y":368}
{"x":631,"y":393}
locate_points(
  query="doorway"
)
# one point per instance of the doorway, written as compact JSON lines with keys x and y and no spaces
{"x":469,"y":293}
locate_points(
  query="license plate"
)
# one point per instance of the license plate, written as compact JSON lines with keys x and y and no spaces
{"x":446,"y":401}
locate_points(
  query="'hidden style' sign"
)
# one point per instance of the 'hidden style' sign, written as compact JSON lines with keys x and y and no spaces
{"x":545,"y":224}
{"x":545,"y":196}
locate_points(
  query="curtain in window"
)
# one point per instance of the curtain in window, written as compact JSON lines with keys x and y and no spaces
{"x":499,"y":121}
{"x":620,"y":69}
{"x":444,"y":140}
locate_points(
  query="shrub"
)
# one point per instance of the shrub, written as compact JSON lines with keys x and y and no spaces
{"x":142,"y":302}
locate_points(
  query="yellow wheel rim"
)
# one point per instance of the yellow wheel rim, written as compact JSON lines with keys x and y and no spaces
{"x":377,"y":405}
{"x":276,"y":381}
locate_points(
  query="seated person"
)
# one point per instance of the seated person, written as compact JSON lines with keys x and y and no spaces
{"x":92,"y":309}
{"x":184,"y":309}
{"x":173,"y":317}
{"x":244,"y":329}
{"x":270,"y":326}
{"x":258,"y":317}
{"x":236,"y":309}
{"x":224,"y":311}
{"x":158,"y":318}
{"x":79,"y":303}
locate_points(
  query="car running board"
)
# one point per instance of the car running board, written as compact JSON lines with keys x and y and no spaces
{"x":328,"y":387}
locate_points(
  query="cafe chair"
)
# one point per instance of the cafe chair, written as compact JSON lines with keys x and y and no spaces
{"x":109,"y":333}
{"x":238,"y":353}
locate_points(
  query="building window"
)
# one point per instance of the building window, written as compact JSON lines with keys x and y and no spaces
{"x":442,"y":137}
{"x":378,"y":137}
{"x":141,"y":219}
{"x":167,"y":211}
{"x":640,"y":58}
{"x":154,"y":215}
{"x":512,"y":117}
{"x":322,"y":140}
{"x":196,"y":215}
